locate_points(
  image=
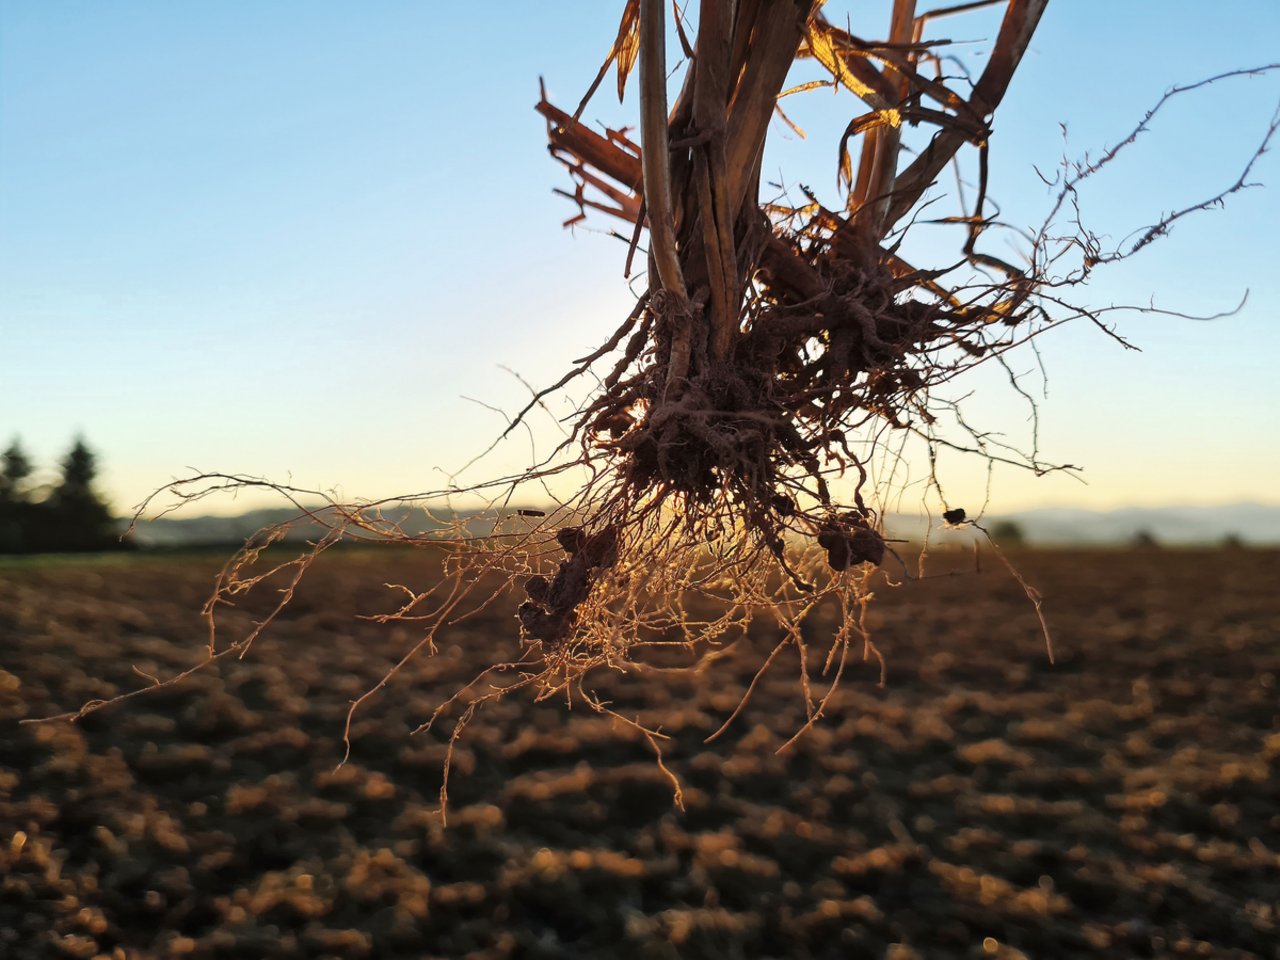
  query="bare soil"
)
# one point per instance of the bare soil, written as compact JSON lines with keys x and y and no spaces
{"x":1123,"y":802}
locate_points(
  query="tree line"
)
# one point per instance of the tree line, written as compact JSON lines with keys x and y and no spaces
{"x":66,"y":516}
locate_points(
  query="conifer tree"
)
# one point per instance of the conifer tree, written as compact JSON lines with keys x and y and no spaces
{"x":76,"y":518}
{"x":15,"y":505}
{"x":15,"y":468}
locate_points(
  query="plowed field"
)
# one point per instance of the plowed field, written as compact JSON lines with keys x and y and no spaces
{"x":983,"y":803}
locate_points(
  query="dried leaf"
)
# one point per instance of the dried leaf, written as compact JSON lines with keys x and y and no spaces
{"x":790,"y":123}
{"x":627,"y":46}
{"x":624,"y":49}
{"x":679,"y":16}
{"x":863,"y":80}
{"x":862,"y":124}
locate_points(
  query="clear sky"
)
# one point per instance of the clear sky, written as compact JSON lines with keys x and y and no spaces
{"x":288,"y":239}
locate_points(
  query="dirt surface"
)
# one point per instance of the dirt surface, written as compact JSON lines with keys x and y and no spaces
{"x":1123,"y":802}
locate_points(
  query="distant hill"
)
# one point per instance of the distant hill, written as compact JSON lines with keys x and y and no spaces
{"x":1254,"y":524}
{"x":177,"y":531}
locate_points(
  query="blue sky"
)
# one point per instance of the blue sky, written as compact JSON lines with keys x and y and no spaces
{"x":288,"y":239}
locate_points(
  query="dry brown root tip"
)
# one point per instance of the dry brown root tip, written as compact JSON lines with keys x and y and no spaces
{"x":849,"y":540}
